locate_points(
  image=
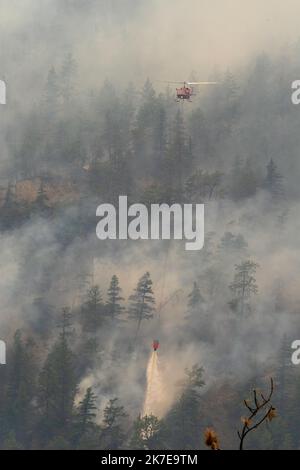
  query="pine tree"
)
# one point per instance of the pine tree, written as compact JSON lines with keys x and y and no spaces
{"x":92,"y":311}
{"x":86,"y":410}
{"x":65,"y":323}
{"x":147,"y":433}
{"x":183,"y":426}
{"x":41,"y":204}
{"x":148,"y":93}
{"x":203,"y":185}
{"x":10,"y":210}
{"x":230,"y":91}
{"x":58,"y":385}
{"x":233,"y":242}
{"x":198,"y":320}
{"x":52,"y":94}
{"x":114,"y":307}
{"x":160,"y":138}
{"x":229,"y":104}
{"x":195,"y":298}
{"x":18,"y":410}
{"x":147,"y":134}
{"x":244,"y":285}
{"x":68,"y":74}
{"x":235,"y":178}
{"x":112,"y":136}
{"x":273,"y":181}
{"x":43,"y":315}
{"x":142,"y":301}
{"x":10,"y":200}
{"x":113,"y":432}
{"x":85,"y":420}
{"x":10,"y":443}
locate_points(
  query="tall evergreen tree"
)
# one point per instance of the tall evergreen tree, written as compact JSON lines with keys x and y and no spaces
{"x":113,"y":430}
{"x":148,"y":93}
{"x":201,"y":186}
{"x":67,"y":78}
{"x":244,"y":285}
{"x":142,"y":301}
{"x":58,"y":385}
{"x":41,"y":204}
{"x":85,"y":421}
{"x":52,"y":94}
{"x":92,"y":311}
{"x":114,"y":307}
{"x":18,"y":411}
{"x":10,"y":200}
{"x":112,"y":135}
{"x":160,"y":138}
{"x":147,"y":433}
{"x":183,"y":422}
{"x":273,"y":181}
{"x":11,"y":443}
{"x":10,"y":209}
{"x":231,"y":90}
{"x":195,"y":298}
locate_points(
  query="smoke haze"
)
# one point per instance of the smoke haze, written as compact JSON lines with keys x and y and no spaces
{"x":115,"y":43}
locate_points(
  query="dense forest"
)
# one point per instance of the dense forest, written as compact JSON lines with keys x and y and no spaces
{"x":79,"y":315}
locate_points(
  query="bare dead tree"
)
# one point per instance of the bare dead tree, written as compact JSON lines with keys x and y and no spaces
{"x":260,"y":410}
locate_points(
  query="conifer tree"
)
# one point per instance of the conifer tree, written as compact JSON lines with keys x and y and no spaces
{"x":58,"y":384}
{"x":273,"y":181}
{"x":160,"y":138}
{"x":183,"y":428}
{"x":9,"y":201}
{"x":18,"y":412}
{"x":92,"y":311}
{"x":85,"y":420}
{"x":10,"y":443}
{"x":52,"y":94}
{"x":113,"y":431}
{"x":233,"y":242}
{"x":195,"y":298}
{"x":147,"y":433}
{"x":42,"y":202}
{"x":142,"y":301}
{"x":244,"y":285}
{"x":68,"y":73}
{"x":148,"y":93}
{"x":114,"y":307}
{"x":10,"y":210}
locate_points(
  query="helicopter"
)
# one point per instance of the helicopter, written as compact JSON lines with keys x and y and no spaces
{"x":186,"y":92}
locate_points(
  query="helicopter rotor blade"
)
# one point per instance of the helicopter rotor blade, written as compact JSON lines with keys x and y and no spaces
{"x":202,"y":83}
{"x":187,"y":83}
{"x":173,"y":83}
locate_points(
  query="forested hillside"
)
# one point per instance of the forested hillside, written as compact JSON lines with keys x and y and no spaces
{"x":79,"y":315}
